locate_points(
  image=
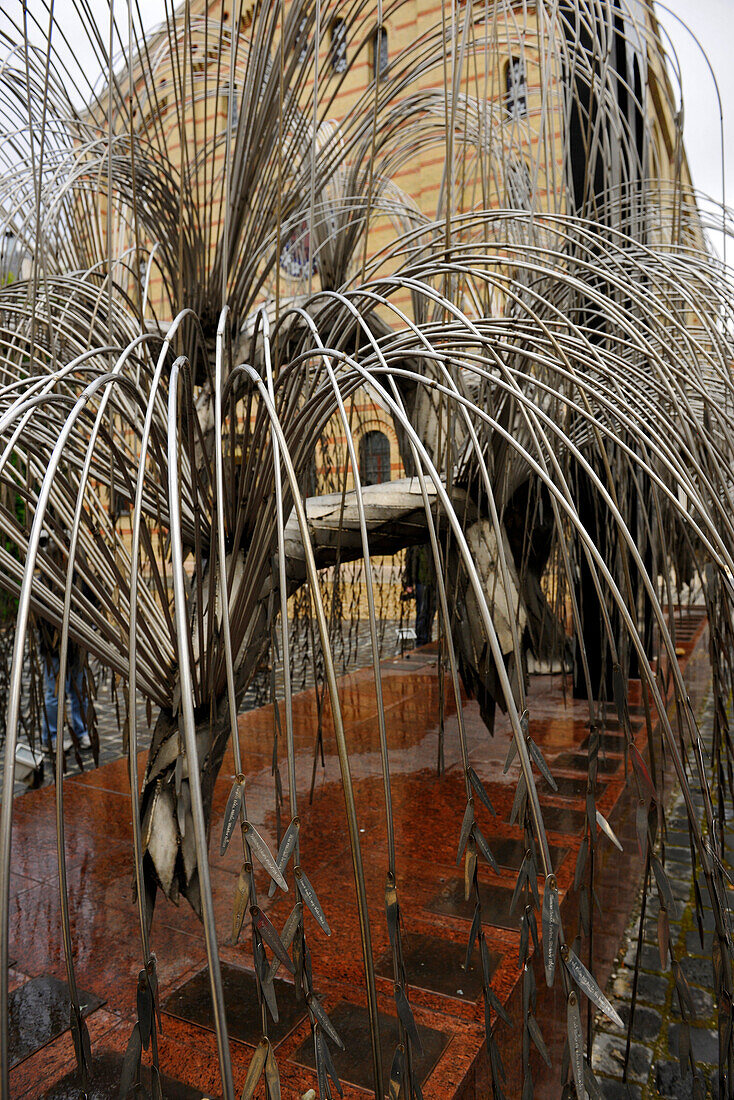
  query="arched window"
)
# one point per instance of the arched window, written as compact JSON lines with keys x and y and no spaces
{"x":339,"y":45}
{"x":516,"y":88}
{"x":380,"y":52}
{"x":374,"y":458}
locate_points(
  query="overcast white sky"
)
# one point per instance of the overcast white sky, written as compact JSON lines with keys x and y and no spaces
{"x":712,"y":21}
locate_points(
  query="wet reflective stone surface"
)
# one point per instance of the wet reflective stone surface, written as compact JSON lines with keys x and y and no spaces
{"x":427,"y":811}
{"x":569,"y":787}
{"x":193,"y":1002}
{"x":495,"y":898}
{"x":354,"y":1065}
{"x":438,"y":964}
{"x":105,"y":1084}
{"x":579,"y":761}
{"x":38,"y":1011}
{"x":510,"y":852}
{"x":559,"y":820}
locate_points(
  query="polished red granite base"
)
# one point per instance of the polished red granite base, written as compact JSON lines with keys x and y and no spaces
{"x":427,"y":811}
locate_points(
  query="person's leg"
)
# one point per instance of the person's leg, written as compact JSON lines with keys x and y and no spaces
{"x":74,"y":691}
{"x":420,"y":614}
{"x":50,"y":703}
{"x":429,"y":599}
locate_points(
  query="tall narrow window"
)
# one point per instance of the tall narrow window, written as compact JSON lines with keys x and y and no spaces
{"x":380,"y":52}
{"x":374,"y":458}
{"x":339,"y":45}
{"x":518,"y":185}
{"x":302,"y":40}
{"x":516,"y":88}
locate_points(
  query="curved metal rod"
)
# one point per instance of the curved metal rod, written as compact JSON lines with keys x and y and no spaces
{"x":189,"y":732}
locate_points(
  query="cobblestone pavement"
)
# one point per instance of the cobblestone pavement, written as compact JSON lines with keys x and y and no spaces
{"x":654,"y":1070}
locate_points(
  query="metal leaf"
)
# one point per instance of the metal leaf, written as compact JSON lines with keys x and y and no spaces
{"x":76,"y":1036}
{"x":608,"y":831}
{"x":528,"y":1091}
{"x":497,"y":1005}
{"x":484,"y":848}
{"x":663,"y":938}
{"x":263,"y":853}
{"x":575,"y":1043}
{"x":466,"y":825}
{"x":392,"y":911}
{"x":255,"y":1069}
{"x":285,"y":851}
{"x":397,"y":1072}
{"x":470,"y":866}
{"x":641,"y":769}
{"x":537,"y":1038}
{"x":145,"y":1008}
{"x":152,"y":969}
{"x":405,"y":1013}
{"x":522,"y":879}
{"x":130,"y":1071}
{"x":591,"y":1083}
{"x":329,"y":1064}
{"x":641,"y":826}
{"x":551,"y":928}
{"x":232,"y":812}
{"x":183,"y":806}
{"x":684,"y":1048}
{"x":241,"y":900}
{"x":286,"y":938}
{"x":319,"y":1014}
{"x":324,"y":1091}
{"x":82,"y":1045}
{"x":268,"y":990}
{"x":484,"y":956}
{"x":298,"y":962}
{"x":524,"y":938}
{"x":619,"y":690}
{"x":541,"y":764}
{"x":307,"y":892}
{"x":528,"y":989}
{"x":666,"y":894}
{"x":480,"y":790}
{"x":272,"y":1076}
{"x":511,"y":754}
{"x":589,"y":987}
{"x":156,"y":1091}
{"x":519,"y":801}
{"x":473,"y":933}
{"x":271,"y":937}
{"x":581,"y":863}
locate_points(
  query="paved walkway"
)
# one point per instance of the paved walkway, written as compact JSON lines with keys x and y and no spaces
{"x":653,"y":1068}
{"x":427,"y":811}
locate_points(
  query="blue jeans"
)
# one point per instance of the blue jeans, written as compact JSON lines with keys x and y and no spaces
{"x":73,"y":692}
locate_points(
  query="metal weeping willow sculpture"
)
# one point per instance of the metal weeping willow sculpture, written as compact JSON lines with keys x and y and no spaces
{"x":216,"y":268}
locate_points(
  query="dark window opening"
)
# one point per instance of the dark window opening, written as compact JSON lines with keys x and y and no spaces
{"x":516,"y":88}
{"x":518,"y":186}
{"x":374,"y":458}
{"x":302,"y":40}
{"x":380,"y":52}
{"x":339,"y":45}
